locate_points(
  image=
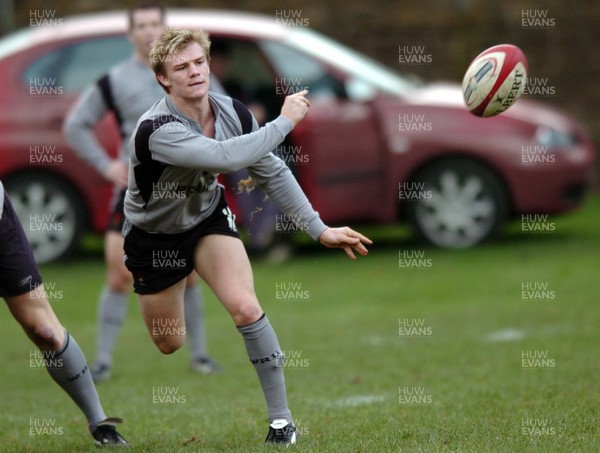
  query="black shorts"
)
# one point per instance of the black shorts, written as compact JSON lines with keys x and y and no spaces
{"x":158,"y":261}
{"x":117,"y":213}
{"x":19,"y":272}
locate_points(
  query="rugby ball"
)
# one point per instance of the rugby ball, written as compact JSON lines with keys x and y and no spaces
{"x":495,"y":80}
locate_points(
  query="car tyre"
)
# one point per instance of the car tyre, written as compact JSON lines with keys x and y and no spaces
{"x":456,"y":203}
{"x":51,"y":213}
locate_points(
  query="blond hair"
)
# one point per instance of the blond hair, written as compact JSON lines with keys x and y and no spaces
{"x":171,"y":41}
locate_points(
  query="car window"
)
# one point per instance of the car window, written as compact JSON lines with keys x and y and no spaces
{"x":77,"y":65}
{"x":366,"y":70}
{"x":299,"y":70}
{"x":246,"y":75}
{"x":239,"y":66}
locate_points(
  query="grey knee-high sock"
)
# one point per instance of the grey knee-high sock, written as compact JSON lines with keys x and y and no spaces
{"x":194,"y":321}
{"x":264,"y":352}
{"x":112,"y":309}
{"x":69,"y":369}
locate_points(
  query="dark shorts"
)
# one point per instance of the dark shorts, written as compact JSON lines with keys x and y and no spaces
{"x":158,"y":261}
{"x":117,"y":213}
{"x":19,"y":272}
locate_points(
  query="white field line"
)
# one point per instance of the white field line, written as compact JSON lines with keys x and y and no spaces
{"x":504,"y":335}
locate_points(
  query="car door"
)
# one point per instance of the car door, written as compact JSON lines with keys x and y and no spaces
{"x":42,"y":174}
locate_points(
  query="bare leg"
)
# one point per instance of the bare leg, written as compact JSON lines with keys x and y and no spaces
{"x":65,"y":361}
{"x":164,"y":317}
{"x":35,"y":315}
{"x":223,"y":264}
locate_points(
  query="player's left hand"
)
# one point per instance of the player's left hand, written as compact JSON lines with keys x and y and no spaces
{"x":347,"y":239}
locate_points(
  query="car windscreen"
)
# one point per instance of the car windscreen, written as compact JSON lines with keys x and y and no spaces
{"x":77,"y":65}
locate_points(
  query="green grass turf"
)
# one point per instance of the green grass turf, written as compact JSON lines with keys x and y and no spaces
{"x":353,"y":375}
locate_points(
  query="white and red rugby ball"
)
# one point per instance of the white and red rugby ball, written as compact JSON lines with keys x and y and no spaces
{"x":495,"y":80}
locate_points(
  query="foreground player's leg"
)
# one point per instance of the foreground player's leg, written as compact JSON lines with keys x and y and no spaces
{"x":164,"y":317}
{"x":65,"y":362}
{"x":194,"y":327}
{"x":22,"y":289}
{"x":265,"y":353}
{"x":112,"y":306}
{"x":223,"y":264}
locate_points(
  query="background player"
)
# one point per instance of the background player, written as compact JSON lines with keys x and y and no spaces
{"x":186,"y":139}
{"x":22,"y":288}
{"x":128,"y":90}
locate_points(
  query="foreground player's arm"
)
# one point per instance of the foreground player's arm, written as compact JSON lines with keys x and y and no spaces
{"x":275,"y":178}
{"x":78,"y":129}
{"x":175,"y":143}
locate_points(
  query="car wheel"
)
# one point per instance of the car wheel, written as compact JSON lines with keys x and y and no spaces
{"x":457,"y":203}
{"x":50,"y":212}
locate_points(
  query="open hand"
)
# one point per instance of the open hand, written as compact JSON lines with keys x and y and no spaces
{"x":347,"y":239}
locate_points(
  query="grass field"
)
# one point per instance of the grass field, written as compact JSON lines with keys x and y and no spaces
{"x":495,"y":349}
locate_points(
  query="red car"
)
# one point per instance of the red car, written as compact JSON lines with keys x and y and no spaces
{"x":376,"y":146}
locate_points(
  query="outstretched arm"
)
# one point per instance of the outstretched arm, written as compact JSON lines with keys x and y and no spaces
{"x":275,"y":178}
{"x":175,"y":144}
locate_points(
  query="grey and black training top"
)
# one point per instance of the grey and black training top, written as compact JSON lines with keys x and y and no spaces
{"x":128,"y":90}
{"x":173,"y":168}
